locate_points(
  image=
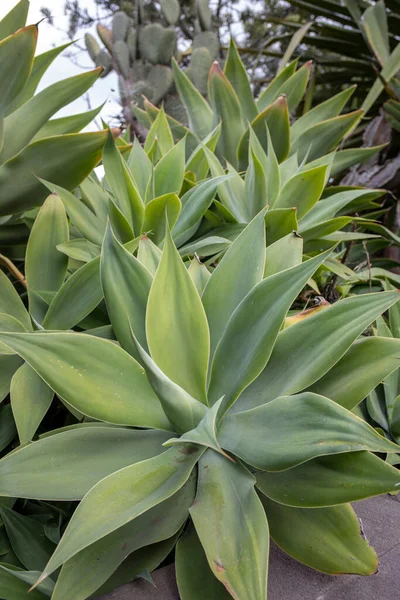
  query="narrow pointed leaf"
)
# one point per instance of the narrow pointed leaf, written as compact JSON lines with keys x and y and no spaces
{"x":302,"y":191}
{"x":170,"y":170}
{"x":11,"y":303}
{"x":158,"y":212}
{"x":15,"y":19}
{"x":14,"y":73}
{"x":236,"y":73}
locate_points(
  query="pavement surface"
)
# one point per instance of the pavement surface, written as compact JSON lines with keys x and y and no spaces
{"x":289,"y":580}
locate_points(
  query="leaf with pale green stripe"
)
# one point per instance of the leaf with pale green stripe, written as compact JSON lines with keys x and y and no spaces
{"x":68,"y":463}
{"x":31,"y":398}
{"x":264,"y":438}
{"x":176,"y":325}
{"x":326,"y":539}
{"x":134,"y":490}
{"x":226,"y":501}
{"x":86,"y":571}
{"x":193,"y":574}
{"x":250,"y":335}
{"x":306,"y":351}
{"x":45,"y":266}
{"x":236,"y":274}
{"x":330,"y":480}
{"x":82,"y":369}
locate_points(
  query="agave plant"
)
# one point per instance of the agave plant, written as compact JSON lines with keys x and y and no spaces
{"x":31,"y":143}
{"x":210,"y":425}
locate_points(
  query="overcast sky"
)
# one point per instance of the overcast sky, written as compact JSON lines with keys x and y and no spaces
{"x":63,"y":67}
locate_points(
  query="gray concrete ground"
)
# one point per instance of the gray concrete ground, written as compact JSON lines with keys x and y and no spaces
{"x":289,"y":580}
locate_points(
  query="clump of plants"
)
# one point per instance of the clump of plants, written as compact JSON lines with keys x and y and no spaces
{"x":166,"y":391}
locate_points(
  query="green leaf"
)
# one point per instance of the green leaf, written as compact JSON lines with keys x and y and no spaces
{"x":237,"y":75}
{"x":70,"y":124}
{"x":199,"y":273}
{"x":183,"y":411}
{"x":121,"y":225}
{"x":11,"y":303}
{"x":367,"y":362}
{"x":8,"y":430}
{"x":8,"y":365}
{"x":283,"y":254}
{"x":302,"y":191}
{"x":170,"y":170}
{"x":20,"y":48}
{"x":65,"y":160}
{"x":239,"y":271}
{"x":37,"y":111}
{"x":140,"y":167}
{"x":30,"y":400}
{"x":250,"y":335}
{"x":294,"y":88}
{"x":344,"y":159}
{"x":14,"y":588}
{"x":325,"y":136}
{"x":156,"y":480}
{"x":325,"y":110}
{"x":28,"y":539}
{"x":255,"y":185}
{"x":279,"y":223}
{"x":76,"y":298}
{"x":226,"y":501}
{"x":330,"y":480}
{"x":149,"y":254}
{"x":272,"y":91}
{"x":45,"y":266}
{"x":160,"y":131}
{"x":317,"y":427}
{"x":306,"y":351}
{"x":9,"y":323}
{"x":82,"y":369}
{"x":87,"y":223}
{"x":158,"y":212}
{"x":176,"y":325}
{"x":86,"y":571}
{"x":68,"y":463}
{"x":227,"y":109}
{"x":193,"y":575}
{"x":275,"y":120}
{"x":293,"y":44}
{"x":80,"y":249}
{"x":15,"y":19}
{"x":126,"y":195}
{"x":198,"y":110}
{"x":326,"y":539}
{"x":126,"y":284}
